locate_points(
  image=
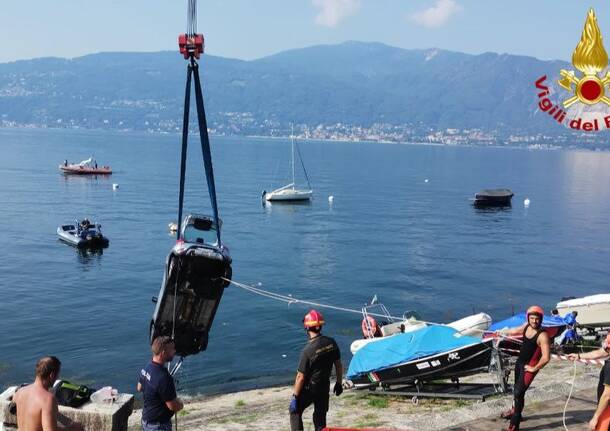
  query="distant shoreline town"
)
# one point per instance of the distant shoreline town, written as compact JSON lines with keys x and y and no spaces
{"x":243,"y":124}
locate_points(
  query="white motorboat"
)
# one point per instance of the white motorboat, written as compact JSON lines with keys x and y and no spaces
{"x":290,"y":192}
{"x":593,"y":310}
{"x":474,"y":325}
{"x":83,"y":234}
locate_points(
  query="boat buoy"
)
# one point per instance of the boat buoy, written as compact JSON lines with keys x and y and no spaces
{"x":115,"y":186}
{"x":331,"y":198}
{"x":426,"y":180}
{"x":526,"y":203}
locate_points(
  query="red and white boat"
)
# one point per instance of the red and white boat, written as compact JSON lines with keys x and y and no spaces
{"x":86,"y":167}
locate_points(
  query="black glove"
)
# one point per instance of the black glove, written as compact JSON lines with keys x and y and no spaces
{"x":338,"y":389}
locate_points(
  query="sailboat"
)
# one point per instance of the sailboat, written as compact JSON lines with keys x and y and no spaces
{"x":290,"y":192}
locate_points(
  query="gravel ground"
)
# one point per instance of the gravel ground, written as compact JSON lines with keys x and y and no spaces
{"x":267,"y":409}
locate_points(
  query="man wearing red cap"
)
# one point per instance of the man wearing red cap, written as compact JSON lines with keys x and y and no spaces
{"x":601,"y":418}
{"x":312,"y":383}
{"x":534,"y":354}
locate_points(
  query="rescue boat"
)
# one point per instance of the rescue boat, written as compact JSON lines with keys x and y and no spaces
{"x":86,"y":167}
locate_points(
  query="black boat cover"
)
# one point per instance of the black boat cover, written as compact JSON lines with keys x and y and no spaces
{"x":495,"y":193}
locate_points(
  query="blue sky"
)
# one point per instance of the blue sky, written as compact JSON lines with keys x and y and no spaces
{"x":247,"y":29}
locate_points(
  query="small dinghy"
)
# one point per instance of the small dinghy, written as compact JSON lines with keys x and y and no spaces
{"x":86,"y":167}
{"x":493,"y":198}
{"x":83,"y":234}
{"x":429,"y":353}
{"x":192,"y":286}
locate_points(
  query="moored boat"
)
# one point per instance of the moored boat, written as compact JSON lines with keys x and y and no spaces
{"x":83,"y":235}
{"x":493,"y":198}
{"x":290,"y":192}
{"x":86,"y":167}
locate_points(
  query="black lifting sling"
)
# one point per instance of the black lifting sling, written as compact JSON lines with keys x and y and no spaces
{"x":193,"y":281}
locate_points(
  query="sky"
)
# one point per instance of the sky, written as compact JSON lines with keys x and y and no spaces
{"x":249,"y":29}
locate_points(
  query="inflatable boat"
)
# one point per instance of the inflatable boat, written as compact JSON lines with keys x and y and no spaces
{"x":83,"y":235}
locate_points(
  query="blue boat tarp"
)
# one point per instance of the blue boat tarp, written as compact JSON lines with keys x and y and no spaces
{"x":519,"y":319}
{"x":397,"y":349}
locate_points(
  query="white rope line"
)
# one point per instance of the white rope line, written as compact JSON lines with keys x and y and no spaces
{"x":565,"y":407}
{"x":291,"y":300}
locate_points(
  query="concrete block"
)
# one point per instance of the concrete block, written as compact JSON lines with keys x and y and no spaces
{"x":93,"y":417}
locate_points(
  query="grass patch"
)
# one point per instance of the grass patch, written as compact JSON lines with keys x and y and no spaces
{"x":235,"y":419}
{"x":378,"y":402}
{"x":183,"y":412}
{"x":240,"y":403}
{"x":244,"y":419}
{"x":368,"y":420}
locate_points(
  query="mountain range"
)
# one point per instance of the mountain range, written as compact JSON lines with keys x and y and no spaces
{"x":353,"y":83}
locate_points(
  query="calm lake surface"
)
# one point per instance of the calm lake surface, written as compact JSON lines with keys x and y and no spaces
{"x":417,"y":244}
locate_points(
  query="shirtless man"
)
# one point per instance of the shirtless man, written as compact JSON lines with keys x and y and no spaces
{"x":36,"y":406}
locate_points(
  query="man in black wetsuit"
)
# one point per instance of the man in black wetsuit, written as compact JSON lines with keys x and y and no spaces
{"x":535,"y":353}
{"x":602,"y":413}
{"x":312,"y":382}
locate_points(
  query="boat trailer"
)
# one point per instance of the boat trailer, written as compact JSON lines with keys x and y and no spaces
{"x":453,"y":389}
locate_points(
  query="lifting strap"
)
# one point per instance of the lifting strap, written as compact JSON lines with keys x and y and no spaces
{"x":193,"y":69}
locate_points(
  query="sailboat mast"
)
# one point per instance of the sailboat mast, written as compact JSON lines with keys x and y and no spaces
{"x":292,"y":142}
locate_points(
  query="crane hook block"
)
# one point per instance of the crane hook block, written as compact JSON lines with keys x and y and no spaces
{"x":191,"y":45}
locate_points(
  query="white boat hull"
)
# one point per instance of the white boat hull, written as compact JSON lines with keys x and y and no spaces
{"x":473,"y":326}
{"x":592,"y":310}
{"x":288,"y":195}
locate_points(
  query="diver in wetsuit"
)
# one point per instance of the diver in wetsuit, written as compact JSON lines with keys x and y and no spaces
{"x":534,"y":354}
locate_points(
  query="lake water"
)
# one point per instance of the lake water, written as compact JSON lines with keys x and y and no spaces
{"x":417,"y":244}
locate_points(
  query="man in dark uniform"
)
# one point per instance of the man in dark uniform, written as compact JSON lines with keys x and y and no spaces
{"x":312,"y":383}
{"x":157,"y":386}
{"x":534,"y":354}
{"x":601,"y":418}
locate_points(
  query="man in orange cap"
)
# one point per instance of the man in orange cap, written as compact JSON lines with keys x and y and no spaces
{"x":534,"y":354}
{"x":312,"y":383}
{"x":601,"y":418}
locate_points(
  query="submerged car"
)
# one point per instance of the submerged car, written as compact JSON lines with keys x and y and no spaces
{"x":197,"y":270}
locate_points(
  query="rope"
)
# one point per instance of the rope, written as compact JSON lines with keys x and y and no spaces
{"x":290,"y":300}
{"x":565,"y":407}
